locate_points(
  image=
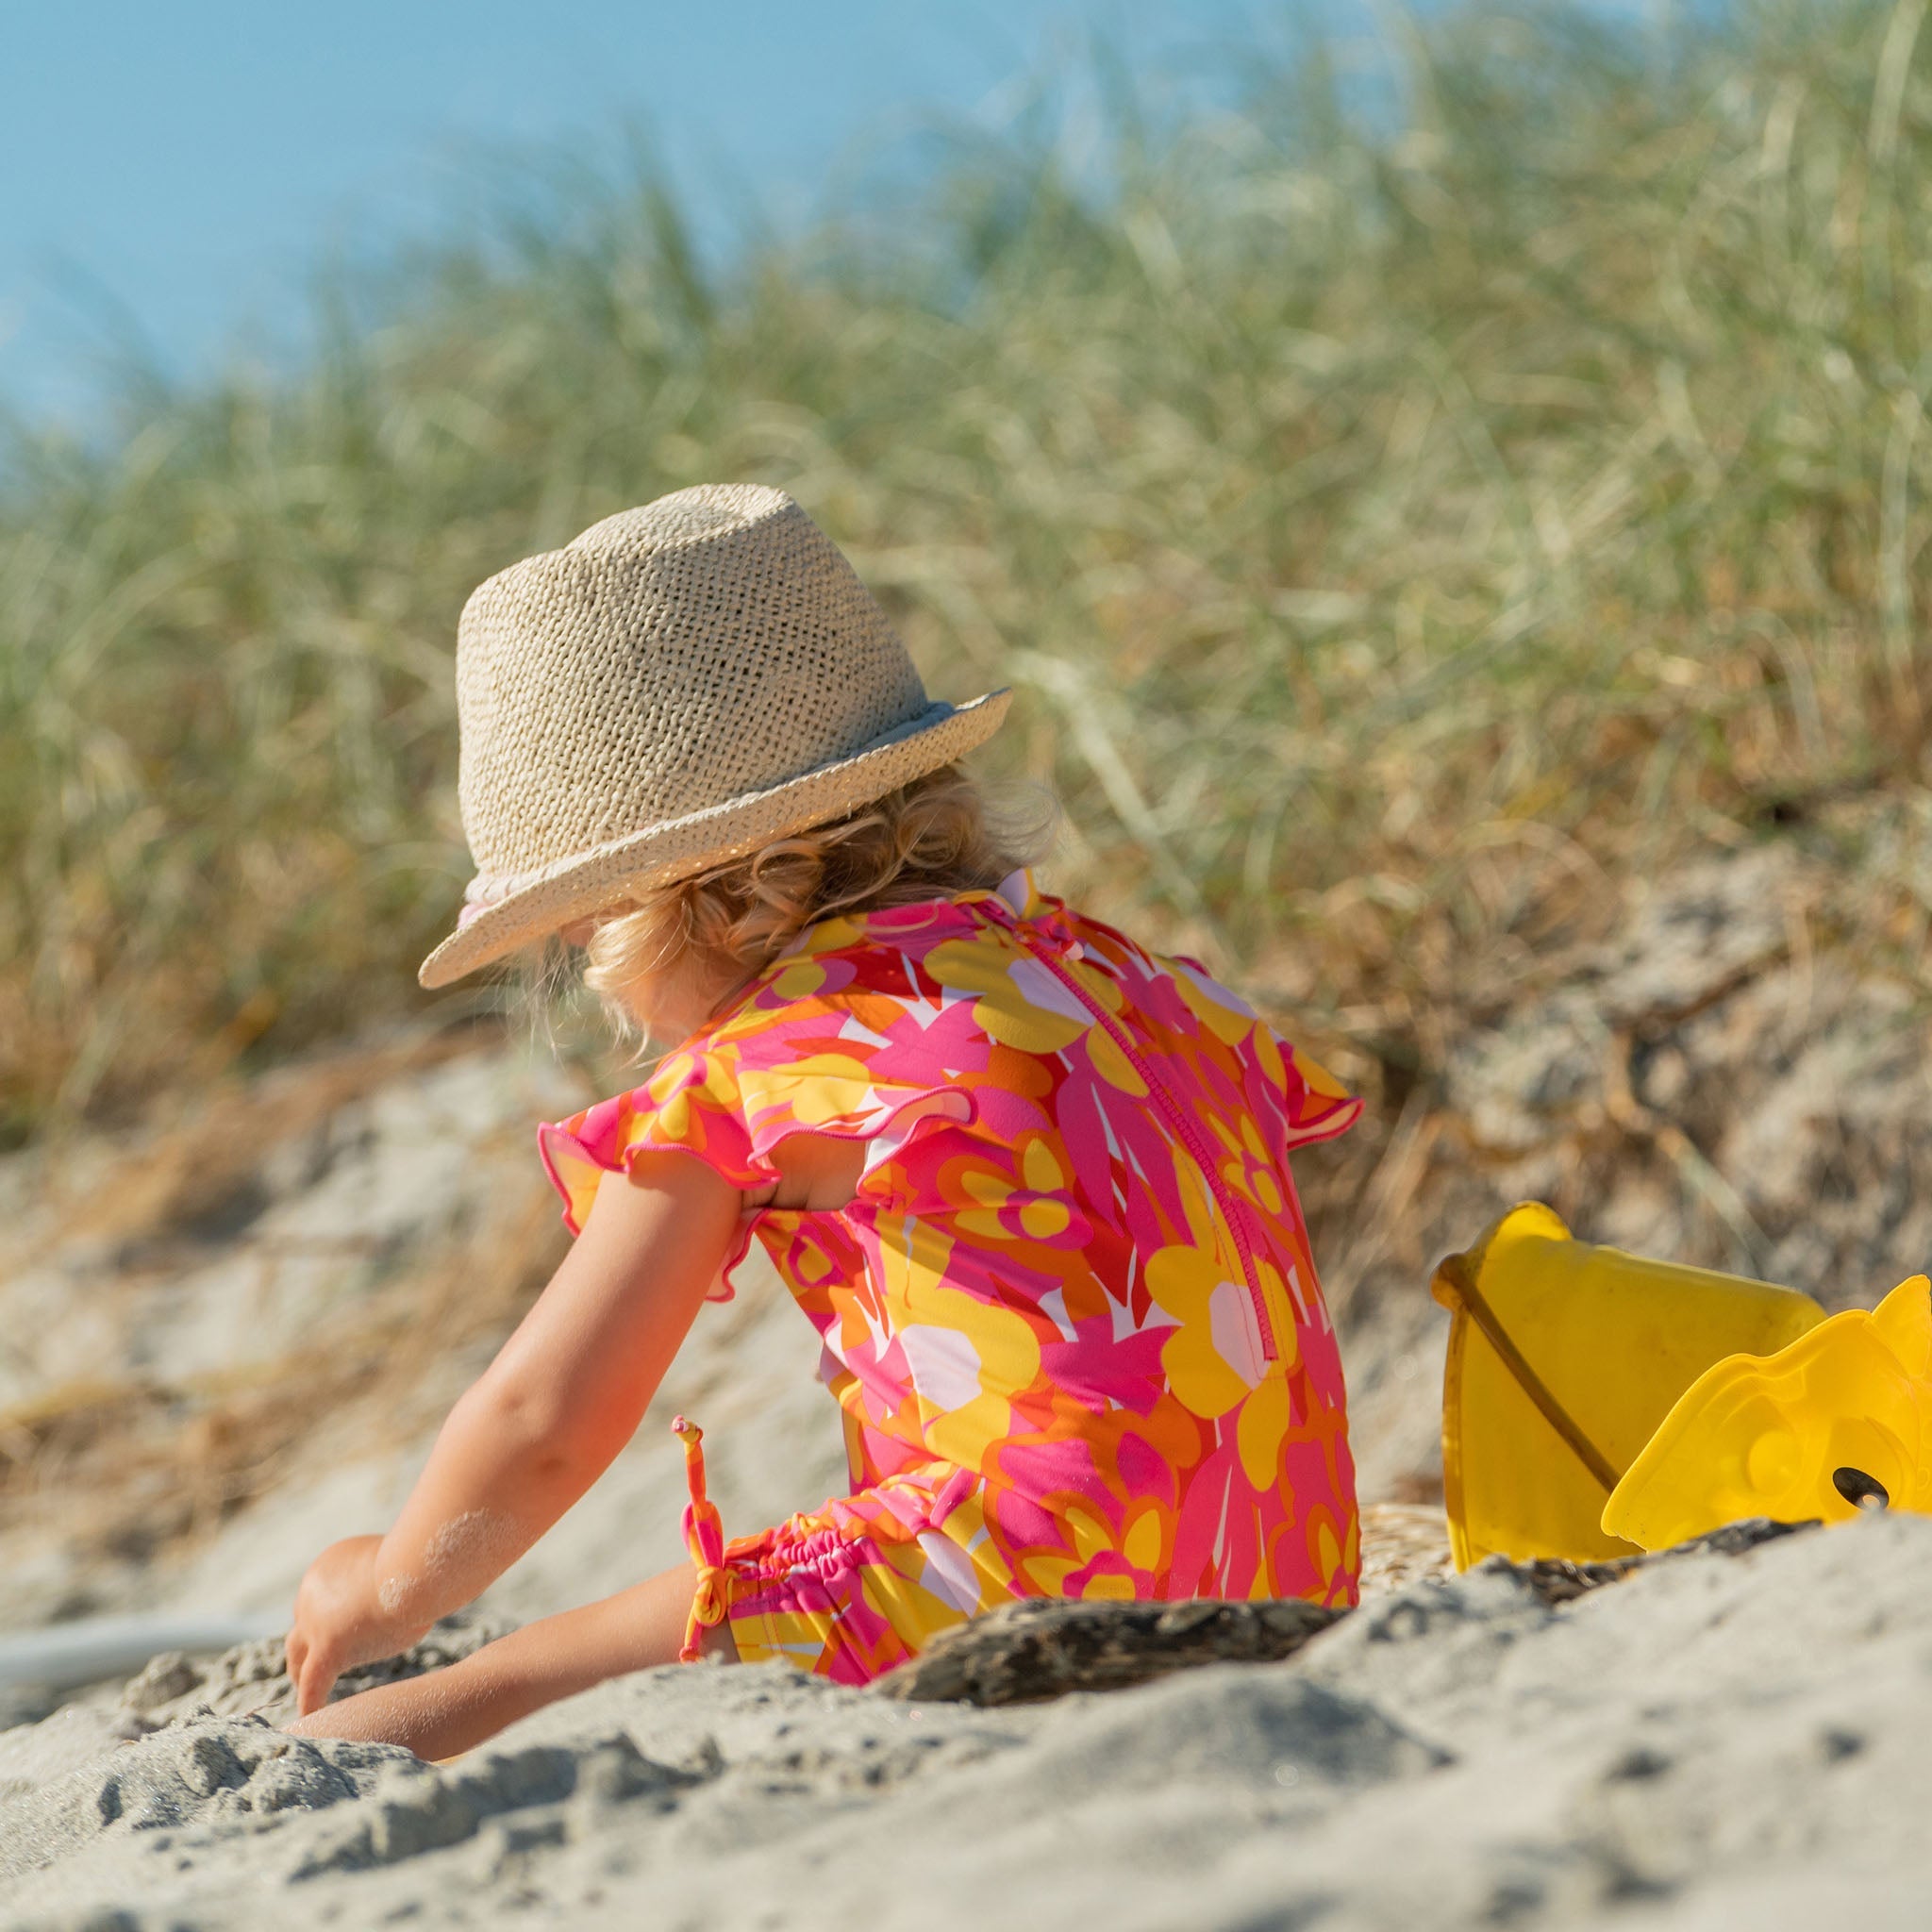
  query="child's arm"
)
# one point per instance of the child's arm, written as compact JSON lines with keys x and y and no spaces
{"x":543,"y":1422}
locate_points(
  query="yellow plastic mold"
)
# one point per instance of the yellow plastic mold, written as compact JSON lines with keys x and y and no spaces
{"x":1806,"y":1432}
{"x":1563,"y":1359}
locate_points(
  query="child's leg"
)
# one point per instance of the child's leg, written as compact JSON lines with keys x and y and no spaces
{"x":450,"y":1711}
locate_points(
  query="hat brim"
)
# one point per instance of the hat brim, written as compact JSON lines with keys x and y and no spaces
{"x":663,"y":854}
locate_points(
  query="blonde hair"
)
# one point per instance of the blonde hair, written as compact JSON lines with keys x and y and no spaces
{"x":705,"y":936}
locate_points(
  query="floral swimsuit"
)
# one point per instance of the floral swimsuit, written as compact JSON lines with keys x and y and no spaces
{"x":1071,"y":1314}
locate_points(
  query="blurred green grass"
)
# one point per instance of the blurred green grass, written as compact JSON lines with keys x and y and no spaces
{"x":1403,"y":529}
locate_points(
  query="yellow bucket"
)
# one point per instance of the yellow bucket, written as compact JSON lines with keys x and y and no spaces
{"x":1563,"y":1359}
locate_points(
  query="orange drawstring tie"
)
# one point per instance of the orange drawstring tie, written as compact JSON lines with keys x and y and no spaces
{"x":704,"y":1537}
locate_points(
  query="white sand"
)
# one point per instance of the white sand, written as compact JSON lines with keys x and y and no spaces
{"x":1716,"y":1741}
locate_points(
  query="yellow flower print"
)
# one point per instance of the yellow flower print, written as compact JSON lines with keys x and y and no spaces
{"x":1020,"y":1004}
{"x":1040,"y":1166}
{"x":1043,"y":1574}
{"x":675,"y":1123}
{"x":829,"y":936}
{"x":1327,"y":1555}
{"x":1112,"y":1065}
{"x":798,"y":979}
{"x":965,"y":1355}
{"x":1146,"y":1542}
{"x":1261,"y":1428}
{"x":678,"y":1066}
{"x":683,"y":1103}
{"x":857,"y":1323}
{"x":1003,"y":1212}
{"x":986,"y":1187}
{"x":1317,"y":1078}
{"x":1089,"y":1532}
{"x":809,"y":1261}
{"x":814,"y":1089}
{"x":1197,"y":1204}
{"x":1268,"y":1057}
{"x":1228,"y":1017}
{"x":1214,"y":1357}
{"x":1314,"y":1075}
{"x":917,"y":1611}
{"x":1045,"y":1214}
{"x":1250,"y":1172}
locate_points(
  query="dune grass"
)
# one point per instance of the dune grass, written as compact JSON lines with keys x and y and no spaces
{"x":1400,"y":530}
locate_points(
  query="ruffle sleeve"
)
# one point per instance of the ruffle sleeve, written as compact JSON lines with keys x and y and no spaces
{"x":1298,"y":1097}
{"x":729,"y":1097}
{"x":690,"y":1103}
{"x":1313,"y":1105}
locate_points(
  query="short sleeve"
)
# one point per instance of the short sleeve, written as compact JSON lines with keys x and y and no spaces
{"x":730,"y":1096}
{"x":1297,"y":1097}
{"x":1312,"y":1103}
{"x":690,"y":1103}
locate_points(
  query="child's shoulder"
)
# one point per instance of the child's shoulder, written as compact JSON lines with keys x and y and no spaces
{"x":884,"y":951}
{"x":883,"y":974}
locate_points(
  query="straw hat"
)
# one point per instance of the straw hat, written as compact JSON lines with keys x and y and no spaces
{"x":679,"y":686}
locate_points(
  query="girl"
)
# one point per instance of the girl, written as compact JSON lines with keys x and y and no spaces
{"x":1029,"y":1181}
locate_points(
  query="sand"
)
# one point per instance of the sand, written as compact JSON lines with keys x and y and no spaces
{"x":1716,"y":1740}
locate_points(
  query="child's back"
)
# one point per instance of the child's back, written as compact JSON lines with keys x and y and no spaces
{"x":1070,"y":1311}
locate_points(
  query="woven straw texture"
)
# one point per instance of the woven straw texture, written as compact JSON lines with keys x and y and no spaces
{"x":678,"y":686}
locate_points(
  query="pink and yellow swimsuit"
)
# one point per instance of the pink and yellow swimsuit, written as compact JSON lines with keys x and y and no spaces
{"x":1071,"y":1315}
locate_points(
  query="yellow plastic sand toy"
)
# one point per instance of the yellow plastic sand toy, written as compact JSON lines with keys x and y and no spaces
{"x":1839,"y":1418}
{"x":1563,"y":1358}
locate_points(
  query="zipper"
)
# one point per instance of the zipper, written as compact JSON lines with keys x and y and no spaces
{"x":1186,"y":1131}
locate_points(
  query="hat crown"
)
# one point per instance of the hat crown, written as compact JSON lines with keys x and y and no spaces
{"x":705,"y":646}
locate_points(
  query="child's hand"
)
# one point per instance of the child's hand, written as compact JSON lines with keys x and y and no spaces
{"x":562,"y":1397}
{"x":339,"y":1621}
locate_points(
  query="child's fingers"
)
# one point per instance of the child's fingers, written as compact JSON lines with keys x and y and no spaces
{"x":319,"y":1674}
{"x":315,"y":1689}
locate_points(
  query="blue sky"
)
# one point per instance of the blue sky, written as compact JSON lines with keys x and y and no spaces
{"x":187,"y":166}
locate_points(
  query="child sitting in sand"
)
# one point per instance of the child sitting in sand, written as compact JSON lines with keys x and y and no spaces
{"x":1029,"y":1181}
